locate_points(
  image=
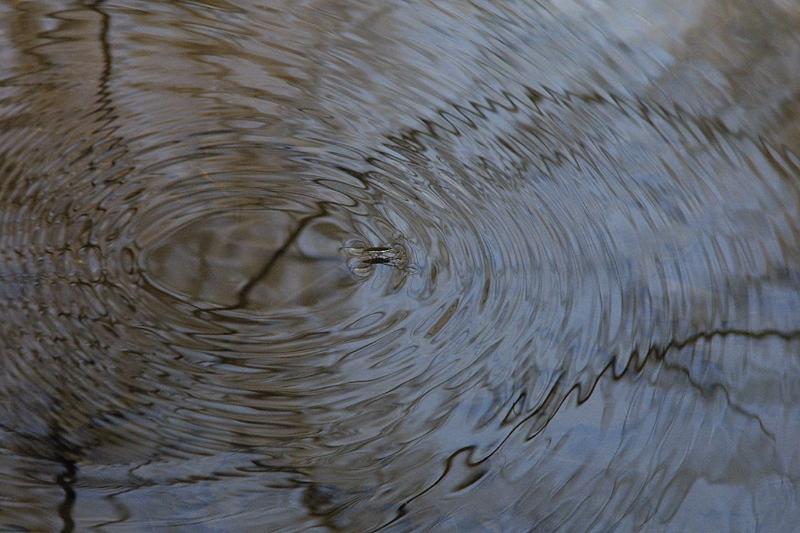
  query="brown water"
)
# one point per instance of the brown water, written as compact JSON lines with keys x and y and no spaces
{"x":453,"y":265}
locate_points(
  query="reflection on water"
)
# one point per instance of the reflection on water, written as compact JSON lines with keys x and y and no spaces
{"x":453,"y":265}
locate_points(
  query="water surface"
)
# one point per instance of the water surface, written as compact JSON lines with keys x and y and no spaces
{"x":349,"y":265}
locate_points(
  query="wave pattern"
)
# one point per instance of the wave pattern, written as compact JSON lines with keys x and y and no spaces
{"x":409,"y":265}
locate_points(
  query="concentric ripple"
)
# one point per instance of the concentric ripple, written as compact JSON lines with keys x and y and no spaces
{"x":419,"y":265}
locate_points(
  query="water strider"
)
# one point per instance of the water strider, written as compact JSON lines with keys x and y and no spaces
{"x":379,"y":255}
{"x":413,"y":265}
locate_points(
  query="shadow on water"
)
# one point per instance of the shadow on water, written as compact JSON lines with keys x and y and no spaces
{"x":401,"y":265}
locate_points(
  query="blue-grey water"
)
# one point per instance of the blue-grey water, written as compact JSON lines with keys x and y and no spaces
{"x":458,"y":265}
